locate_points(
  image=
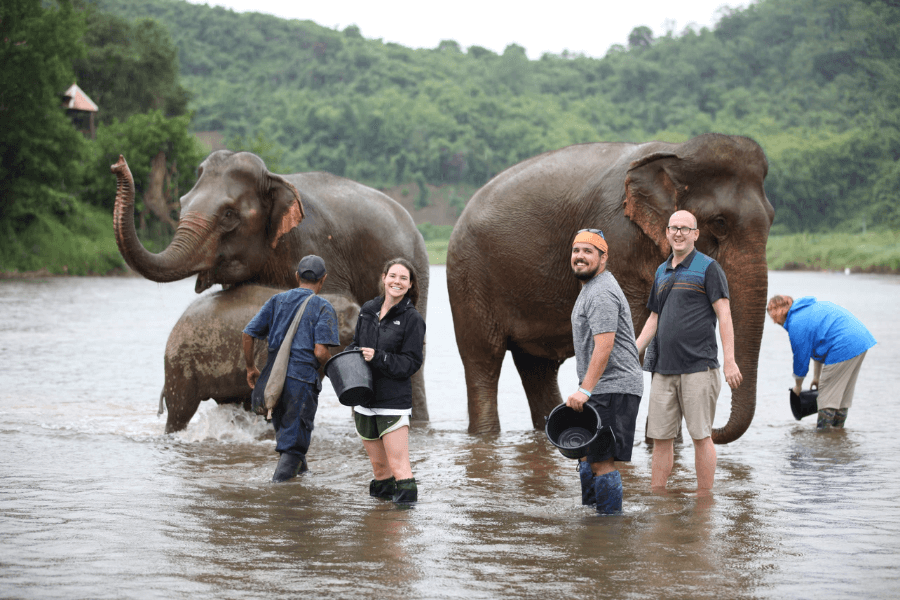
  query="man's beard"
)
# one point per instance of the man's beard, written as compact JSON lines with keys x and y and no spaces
{"x":585,"y":275}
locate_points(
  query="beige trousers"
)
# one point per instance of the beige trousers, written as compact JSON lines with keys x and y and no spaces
{"x":837,"y":383}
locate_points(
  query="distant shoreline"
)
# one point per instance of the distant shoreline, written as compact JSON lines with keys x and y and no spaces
{"x":789,"y":266}
{"x":873,"y":252}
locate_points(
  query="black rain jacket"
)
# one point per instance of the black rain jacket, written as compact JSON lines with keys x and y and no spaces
{"x":399,"y":343}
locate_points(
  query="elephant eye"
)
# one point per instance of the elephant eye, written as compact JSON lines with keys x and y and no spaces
{"x":230,"y":219}
{"x":719,"y":227}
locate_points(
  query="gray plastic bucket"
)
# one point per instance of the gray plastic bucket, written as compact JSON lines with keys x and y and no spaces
{"x":573,"y":432}
{"x":351,"y":378}
{"x":807,"y":403}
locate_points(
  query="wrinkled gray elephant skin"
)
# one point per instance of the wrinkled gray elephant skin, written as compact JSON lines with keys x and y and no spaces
{"x":204,"y":357}
{"x":508,"y":274}
{"x":242,"y":224}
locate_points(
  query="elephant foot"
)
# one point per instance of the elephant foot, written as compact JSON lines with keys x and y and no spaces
{"x":289,"y":466}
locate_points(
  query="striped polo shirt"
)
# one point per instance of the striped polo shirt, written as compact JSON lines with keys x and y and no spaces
{"x":686,"y":330}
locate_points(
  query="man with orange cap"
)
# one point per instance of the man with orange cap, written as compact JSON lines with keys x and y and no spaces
{"x":609,"y":371}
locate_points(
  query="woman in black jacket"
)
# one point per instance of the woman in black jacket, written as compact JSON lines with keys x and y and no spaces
{"x":391,"y":334}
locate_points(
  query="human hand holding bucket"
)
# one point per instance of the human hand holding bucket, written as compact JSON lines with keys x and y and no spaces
{"x":351,"y":378}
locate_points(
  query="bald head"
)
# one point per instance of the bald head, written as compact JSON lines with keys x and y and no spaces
{"x":682,"y":233}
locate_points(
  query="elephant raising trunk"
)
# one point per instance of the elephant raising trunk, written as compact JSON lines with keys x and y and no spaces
{"x":192,"y":249}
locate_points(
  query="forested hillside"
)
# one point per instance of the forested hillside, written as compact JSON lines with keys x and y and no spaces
{"x":816,"y":82}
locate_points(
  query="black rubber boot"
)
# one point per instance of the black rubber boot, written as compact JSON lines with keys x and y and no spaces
{"x":407,"y":492}
{"x":289,"y":466}
{"x":383,"y":488}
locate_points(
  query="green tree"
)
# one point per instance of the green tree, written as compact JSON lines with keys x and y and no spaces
{"x":39,"y":147}
{"x":640,"y":37}
{"x":141,"y":139}
{"x":130,"y":67}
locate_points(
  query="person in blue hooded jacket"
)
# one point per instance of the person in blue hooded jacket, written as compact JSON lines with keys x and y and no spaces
{"x":837,"y":343}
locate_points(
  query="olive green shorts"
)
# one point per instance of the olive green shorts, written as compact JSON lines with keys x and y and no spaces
{"x":373,"y":427}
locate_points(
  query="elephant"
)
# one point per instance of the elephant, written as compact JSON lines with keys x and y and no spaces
{"x":242,"y":224}
{"x":508,"y":274}
{"x":204,"y":357}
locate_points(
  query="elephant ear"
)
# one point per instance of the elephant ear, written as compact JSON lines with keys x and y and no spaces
{"x":287,"y":208}
{"x":651,"y":196}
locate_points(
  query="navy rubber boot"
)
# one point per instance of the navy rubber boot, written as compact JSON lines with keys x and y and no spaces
{"x":588,"y":498}
{"x":289,"y":466}
{"x":407,"y":491}
{"x":383,"y":488}
{"x":608,"y":493}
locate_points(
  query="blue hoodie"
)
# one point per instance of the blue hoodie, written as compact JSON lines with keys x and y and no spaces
{"x":825,"y":332}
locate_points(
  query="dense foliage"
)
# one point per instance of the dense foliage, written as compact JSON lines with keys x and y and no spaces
{"x":816,"y":82}
{"x":49,"y":171}
{"x":129,"y":67}
{"x":39,"y":148}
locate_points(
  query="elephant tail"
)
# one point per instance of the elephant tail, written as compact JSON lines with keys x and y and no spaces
{"x":162,"y":402}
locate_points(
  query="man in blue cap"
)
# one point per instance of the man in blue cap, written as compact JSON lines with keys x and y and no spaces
{"x":318,"y":329}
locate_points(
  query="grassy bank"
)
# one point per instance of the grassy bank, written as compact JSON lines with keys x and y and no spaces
{"x":80,"y":243}
{"x":874,"y":252}
{"x":83,"y":243}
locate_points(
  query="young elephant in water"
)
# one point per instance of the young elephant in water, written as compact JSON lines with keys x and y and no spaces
{"x":203,"y":357}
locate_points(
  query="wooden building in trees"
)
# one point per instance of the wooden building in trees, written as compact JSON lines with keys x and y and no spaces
{"x":81,"y":110}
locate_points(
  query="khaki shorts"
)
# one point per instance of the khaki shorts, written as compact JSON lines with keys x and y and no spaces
{"x":837,"y":383}
{"x":692,"y":396}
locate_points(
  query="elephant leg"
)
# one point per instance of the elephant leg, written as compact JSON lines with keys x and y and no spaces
{"x":181,"y":397}
{"x":420,"y":405}
{"x":180,"y":410}
{"x":482,"y":362}
{"x":539,"y":378}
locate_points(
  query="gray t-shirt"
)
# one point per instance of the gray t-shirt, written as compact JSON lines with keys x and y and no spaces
{"x":601,"y":307}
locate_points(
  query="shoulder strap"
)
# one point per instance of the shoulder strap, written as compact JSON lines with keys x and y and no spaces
{"x":275,"y":385}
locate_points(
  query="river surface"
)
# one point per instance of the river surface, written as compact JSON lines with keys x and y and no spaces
{"x":96,"y":502}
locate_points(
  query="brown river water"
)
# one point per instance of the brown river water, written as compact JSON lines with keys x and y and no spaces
{"x":96,"y":502}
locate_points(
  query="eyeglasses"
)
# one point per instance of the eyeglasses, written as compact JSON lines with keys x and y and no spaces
{"x":684,"y":230}
{"x":597,"y":231}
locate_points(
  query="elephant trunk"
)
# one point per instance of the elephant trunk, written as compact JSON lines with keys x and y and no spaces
{"x":191,"y":251}
{"x":748,"y":312}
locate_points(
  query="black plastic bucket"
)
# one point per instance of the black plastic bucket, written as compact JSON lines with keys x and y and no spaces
{"x":805,"y":404}
{"x":573,"y":432}
{"x":351,"y":378}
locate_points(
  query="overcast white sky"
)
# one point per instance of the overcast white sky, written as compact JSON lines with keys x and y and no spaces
{"x":579,"y":26}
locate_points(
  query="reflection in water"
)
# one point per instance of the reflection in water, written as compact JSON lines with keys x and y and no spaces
{"x":95,"y":502}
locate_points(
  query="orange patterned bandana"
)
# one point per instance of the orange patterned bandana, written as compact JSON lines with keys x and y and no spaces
{"x":591,"y":238}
